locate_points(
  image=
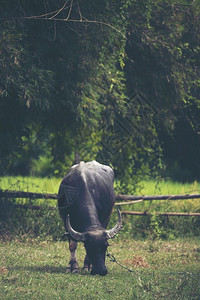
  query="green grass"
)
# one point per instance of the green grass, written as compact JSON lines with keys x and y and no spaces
{"x":166,"y":187}
{"x":36,"y":269}
{"x":31,"y":184}
{"x":51,"y":185}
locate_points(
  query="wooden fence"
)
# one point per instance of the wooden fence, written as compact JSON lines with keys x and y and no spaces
{"x":127,"y":200}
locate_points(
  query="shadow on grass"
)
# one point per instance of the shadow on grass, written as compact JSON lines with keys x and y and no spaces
{"x":47,"y":269}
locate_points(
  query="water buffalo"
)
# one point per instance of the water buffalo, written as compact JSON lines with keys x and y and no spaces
{"x":85,"y":201}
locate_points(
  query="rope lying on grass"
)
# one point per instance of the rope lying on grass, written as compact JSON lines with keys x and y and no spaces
{"x":113,"y":259}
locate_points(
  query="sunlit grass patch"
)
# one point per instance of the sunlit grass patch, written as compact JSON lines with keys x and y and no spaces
{"x":167,"y":187}
{"x":30,"y":184}
{"x":51,"y":185}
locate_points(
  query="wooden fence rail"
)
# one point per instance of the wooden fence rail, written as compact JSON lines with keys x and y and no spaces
{"x":29,"y":195}
{"x":26,"y":195}
{"x":158,"y":197}
{"x":6,"y":194}
{"x":180,"y":214}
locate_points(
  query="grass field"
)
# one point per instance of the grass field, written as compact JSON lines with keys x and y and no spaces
{"x":51,"y":185}
{"x":31,"y":184}
{"x":36,"y":269}
{"x":33,"y":264}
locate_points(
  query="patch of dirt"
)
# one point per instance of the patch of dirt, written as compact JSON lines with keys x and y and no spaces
{"x":137,"y":262}
{"x":3,"y":270}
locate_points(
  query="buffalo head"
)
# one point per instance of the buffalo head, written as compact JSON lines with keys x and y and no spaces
{"x":95,"y":242}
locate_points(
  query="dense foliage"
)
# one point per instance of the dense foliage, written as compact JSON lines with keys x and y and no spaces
{"x":116,"y":81}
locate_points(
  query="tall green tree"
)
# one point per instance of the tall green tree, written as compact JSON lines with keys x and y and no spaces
{"x":114,"y":80}
{"x":66,"y":73}
{"x":162,"y":71}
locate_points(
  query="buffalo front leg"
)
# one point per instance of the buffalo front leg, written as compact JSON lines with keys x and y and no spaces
{"x":73,"y":264}
{"x":87,"y":266}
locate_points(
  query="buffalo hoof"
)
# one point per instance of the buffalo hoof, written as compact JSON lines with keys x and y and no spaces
{"x":73,"y":267}
{"x":87,"y":267}
{"x":75,"y":271}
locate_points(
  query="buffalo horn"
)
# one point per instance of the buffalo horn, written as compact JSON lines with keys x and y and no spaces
{"x":112,"y":232}
{"x":77,"y":236}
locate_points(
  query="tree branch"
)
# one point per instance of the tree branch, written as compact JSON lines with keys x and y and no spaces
{"x":52,"y":16}
{"x":58,"y":11}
